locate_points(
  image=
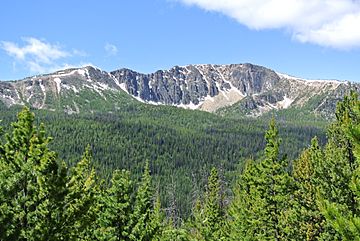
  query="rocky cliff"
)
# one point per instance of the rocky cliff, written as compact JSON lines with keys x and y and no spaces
{"x":252,"y":88}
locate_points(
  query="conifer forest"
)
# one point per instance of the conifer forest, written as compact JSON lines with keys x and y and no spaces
{"x":179,"y":175}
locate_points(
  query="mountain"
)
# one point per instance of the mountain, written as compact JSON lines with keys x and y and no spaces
{"x":254,"y":89}
{"x":91,"y":106}
{"x":70,"y":90}
{"x":244,"y":88}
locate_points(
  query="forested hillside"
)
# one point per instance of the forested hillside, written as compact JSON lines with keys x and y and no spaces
{"x":180,"y":145}
{"x":315,"y":198}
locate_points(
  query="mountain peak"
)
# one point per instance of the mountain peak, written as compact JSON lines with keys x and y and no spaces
{"x":252,"y":88}
{"x":211,"y":87}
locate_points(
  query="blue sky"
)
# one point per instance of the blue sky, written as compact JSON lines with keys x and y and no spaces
{"x":311,"y":39}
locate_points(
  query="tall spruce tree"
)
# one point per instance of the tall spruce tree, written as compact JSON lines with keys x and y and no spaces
{"x":32,"y":184}
{"x":143,"y":223}
{"x":209,"y":218}
{"x":335,"y":172}
{"x":113,"y":219}
{"x":242,"y":214}
{"x":79,"y":212}
{"x":307,"y":220}
{"x":343,"y":215}
{"x":260,"y":207}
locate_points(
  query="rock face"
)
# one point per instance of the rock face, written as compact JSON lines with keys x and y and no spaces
{"x":195,"y":86}
{"x":253,"y":88}
{"x":211,"y":87}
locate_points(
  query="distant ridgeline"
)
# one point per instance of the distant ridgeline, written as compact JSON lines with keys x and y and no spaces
{"x":233,"y":90}
{"x":313,"y":196}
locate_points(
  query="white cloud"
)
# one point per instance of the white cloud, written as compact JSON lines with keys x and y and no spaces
{"x":38,"y":56}
{"x":111,"y":49}
{"x":36,"y":49}
{"x":332,"y":23}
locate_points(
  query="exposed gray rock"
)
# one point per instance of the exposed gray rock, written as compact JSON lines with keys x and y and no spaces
{"x":182,"y":85}
{"x":206,"y":87}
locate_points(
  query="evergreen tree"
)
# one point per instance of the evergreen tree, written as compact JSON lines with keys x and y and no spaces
{"x":143,"y":225}
{"x":335,"y":172}
{"x":171,"y":233}
{"x":113,"y":219}
{"x":157,"y":220}
{"x":260,"y":206}
{"x":247,"y":210}
{"x":80,"y":201}
{"x":31,"y":183}
{"x":214,"y":213}
{"x":307,"y":220}
{"x":210,"y":221}
{"x":343,"y":213}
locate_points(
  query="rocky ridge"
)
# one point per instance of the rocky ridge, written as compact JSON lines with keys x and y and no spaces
{"x":253,"y":88}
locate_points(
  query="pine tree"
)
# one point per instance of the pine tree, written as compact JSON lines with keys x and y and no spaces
{"x":157,"y":220}
{"x":143,"y":225}
{"x":335,"y":172}
{"x":80,"y":200}
{"x":171,"y":233}
{"x":31,"y":183}
{"x":214,"y":212}
{"x":247,"y":209}
{"x":260,"y":207}
{"x":210,"y":221}
{"x":51,"y":181}
{"x":116,"y":208}
{"x":342,"y":210}
{"x":307,"y":221}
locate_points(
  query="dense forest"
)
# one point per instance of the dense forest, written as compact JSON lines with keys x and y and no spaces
{"x":180,"y":145}
{"x":275,"y":195}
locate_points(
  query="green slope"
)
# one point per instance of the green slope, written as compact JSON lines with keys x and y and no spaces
{"x":181,"y":145}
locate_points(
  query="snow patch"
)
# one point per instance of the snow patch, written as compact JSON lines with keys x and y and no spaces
{"x":65,"y":86}
{"x":116,"y":81}
{"x":43,"y":90}
{"x":104,"y":86}
{"x":42,"y":86}
{"x":58,"y":84}
{"x":81,"y":72}
{"x":285,"y":103}
{"x":97,"y":89}
{"x":151,"y":84}
{"x":285,"y":76}
{"x":17,"y":93}
{"x":224,"y":93}
{"x":74,"y":89}
{"x":30,"y":96}
{"x":123,"y":87}
{"x":232,"y":87}
{"x":88,"y":79}
{"x":190,"y":106}
{"x":63,"y":74}
{"x":10,"y":98}
{"x":202,"y":74}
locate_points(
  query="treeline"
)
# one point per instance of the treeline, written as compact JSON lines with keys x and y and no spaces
{"x":314,"y":197}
